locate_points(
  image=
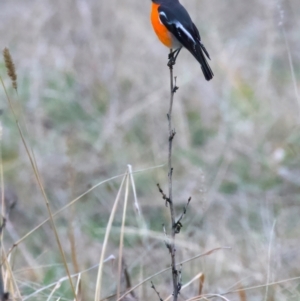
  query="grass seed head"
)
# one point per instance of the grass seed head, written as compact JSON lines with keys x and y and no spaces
{"x":10,"y":66}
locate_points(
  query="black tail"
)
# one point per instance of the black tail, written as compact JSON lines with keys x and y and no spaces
{"x":197,"y":52}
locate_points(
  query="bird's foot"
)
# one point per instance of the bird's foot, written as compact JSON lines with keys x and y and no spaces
{"x":171,"y":61}
{"x":172,"y":57}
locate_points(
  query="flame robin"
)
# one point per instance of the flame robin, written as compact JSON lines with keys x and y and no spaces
{"x":175,"y":29}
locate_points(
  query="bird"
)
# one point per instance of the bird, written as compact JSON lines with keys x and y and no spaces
{"x":175,"y":29}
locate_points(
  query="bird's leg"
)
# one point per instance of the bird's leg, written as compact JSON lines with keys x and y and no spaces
{"x":177,"y":52}
{"x":173,"y":56}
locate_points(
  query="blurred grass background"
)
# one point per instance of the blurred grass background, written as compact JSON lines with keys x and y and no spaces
{"x":94,"y":90}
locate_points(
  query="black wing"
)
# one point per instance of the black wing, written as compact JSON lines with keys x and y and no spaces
{"x":179,"y":23}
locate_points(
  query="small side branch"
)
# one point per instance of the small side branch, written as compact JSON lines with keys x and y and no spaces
{"x":164,"y":196}
{"x":157,"y":293}
{"x":178,"y":224}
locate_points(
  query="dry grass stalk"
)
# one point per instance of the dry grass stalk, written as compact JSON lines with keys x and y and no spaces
{"x":242,"y":294}
{"x":121,"y":263}
{"x":201,"y":282}
{"x":38,"y":178}
{"x":10,"y":66}
{"x":105,"y":242}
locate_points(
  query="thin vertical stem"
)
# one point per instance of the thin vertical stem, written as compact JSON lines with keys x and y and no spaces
{"x":170,"y":173}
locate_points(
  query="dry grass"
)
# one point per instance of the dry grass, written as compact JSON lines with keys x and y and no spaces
{"x":93,"y":93}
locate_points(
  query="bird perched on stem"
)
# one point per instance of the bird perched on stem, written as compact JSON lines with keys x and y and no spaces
{"x":175,"y":29}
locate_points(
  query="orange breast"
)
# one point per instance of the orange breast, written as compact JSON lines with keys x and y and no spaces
{"x":160,"y":30}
